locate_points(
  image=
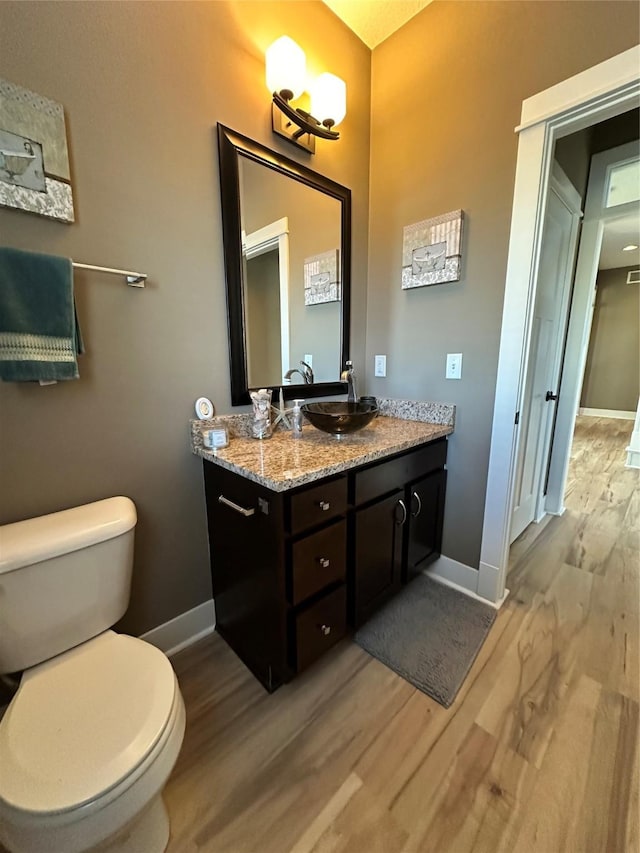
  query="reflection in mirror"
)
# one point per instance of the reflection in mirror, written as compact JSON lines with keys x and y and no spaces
{"x":281,"y":330}
{"x":287,"y":259}
{"x":265,"y":277}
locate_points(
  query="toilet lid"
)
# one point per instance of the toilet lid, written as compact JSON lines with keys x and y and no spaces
{"x":82,"y":722}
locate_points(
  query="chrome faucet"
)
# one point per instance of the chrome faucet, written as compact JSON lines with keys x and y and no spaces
{"x":349,"y":377}
{"x":293,"y":370}
{"x":306,"y":373}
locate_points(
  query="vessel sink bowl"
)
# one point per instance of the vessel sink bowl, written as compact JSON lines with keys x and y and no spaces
{"x":339,"y":418}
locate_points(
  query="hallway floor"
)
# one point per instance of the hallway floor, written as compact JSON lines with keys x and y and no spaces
{"x":538,"y":753}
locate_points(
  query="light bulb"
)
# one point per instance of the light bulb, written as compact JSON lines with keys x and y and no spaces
{"x":329,"y":99}
{"x":286,"y":67}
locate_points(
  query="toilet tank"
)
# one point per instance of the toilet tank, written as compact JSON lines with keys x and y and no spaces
{"x":64,"y":578}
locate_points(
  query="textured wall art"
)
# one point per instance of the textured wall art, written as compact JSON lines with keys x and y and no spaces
{"x":321,"y":282}
{"x":34,"y":160}
{"x":432,"y":251}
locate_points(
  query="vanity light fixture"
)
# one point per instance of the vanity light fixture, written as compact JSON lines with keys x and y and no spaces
{"x":630,"y":248}
{"x":286,"y":79}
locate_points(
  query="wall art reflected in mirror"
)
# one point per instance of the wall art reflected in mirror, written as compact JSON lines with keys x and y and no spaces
{"x":287,"y":248}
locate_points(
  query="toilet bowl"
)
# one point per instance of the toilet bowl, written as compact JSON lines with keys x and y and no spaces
{"x":92,"y":733}
{"x":78,"y":764}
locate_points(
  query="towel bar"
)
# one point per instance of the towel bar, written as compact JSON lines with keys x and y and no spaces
{"x":135,"y":279}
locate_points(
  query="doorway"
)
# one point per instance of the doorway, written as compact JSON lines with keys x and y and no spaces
{"x":601,"y":92}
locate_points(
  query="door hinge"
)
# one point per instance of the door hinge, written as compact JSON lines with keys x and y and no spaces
{"x":517,"y":420}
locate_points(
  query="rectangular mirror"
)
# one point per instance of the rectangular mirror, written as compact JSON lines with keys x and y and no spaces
{"x":287,"y":250}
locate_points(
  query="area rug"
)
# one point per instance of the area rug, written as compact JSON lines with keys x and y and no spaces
{"x":430,"y":634}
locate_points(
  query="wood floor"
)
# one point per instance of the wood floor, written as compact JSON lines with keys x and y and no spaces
{"x":538,"y":753}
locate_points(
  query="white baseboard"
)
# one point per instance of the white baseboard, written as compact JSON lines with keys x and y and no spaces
{"x":608,"y":413}
{"x":633,"y":458}
{"x":183,"y":630}
{"x":558,"y":512}
{"x":461,"y":577}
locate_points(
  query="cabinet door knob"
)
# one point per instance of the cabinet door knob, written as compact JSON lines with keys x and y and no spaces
{"x":419,"y":510}
{"x":324,"y":505}
{"x":324,"y":562}
{"x":326,"y":629}
{"x":402,"y":506}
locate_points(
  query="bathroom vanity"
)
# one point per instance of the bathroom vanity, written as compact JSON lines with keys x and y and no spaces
{"x":309,"y":537}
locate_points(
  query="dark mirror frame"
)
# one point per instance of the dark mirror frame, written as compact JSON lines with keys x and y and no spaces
{"x":231,"y":146}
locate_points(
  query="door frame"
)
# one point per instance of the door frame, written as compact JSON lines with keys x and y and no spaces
{"x":601,"y":92}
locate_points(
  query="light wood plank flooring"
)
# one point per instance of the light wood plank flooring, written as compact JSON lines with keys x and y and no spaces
{"x":538,"y":753}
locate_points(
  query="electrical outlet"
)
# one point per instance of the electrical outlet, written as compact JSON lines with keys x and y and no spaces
{"x":380,"y":365}
{"x":308,"y":359}
{"x":454,"y":365}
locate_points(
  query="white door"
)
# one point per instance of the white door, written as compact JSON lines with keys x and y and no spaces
{"x":549,"y":321}
{"x":612,"y":196}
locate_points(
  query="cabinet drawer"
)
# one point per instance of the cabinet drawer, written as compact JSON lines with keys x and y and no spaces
{"x":426,"y":459}
{"x":318,"y":504}
{"x":380,"y":479}
{"x":384,"y":477}
{"x":317,"y":561}
{"x":319,"y":627}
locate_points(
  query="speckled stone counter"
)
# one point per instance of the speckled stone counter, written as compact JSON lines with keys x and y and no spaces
{"x":282,"y":462}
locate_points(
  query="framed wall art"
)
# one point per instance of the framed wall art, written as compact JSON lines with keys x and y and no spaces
{"x":432,"y":251}
{"x":34,"y":159}
{"x":321,"y":283}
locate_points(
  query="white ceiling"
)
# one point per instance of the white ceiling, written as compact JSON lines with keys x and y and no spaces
{"x":374,"y":20}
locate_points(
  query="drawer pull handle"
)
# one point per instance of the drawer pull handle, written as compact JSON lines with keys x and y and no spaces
{"x":419,"y":510}
{"x":324,"y":562}
{"x":402,"y":506}
{"x":324,"y":505}
{"x":236,"y":507}
{"x":325,"y":629}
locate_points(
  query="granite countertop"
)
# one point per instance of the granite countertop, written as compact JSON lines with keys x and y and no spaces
{"x":282,"y":462}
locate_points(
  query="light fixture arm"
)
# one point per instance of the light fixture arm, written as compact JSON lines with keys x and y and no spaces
{"x":302,"y":119}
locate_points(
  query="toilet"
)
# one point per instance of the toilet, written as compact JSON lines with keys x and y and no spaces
{"x":95,"y":727}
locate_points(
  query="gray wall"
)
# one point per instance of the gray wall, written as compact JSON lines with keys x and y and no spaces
{"x":612,"y":372}
{"x":447,"y":91}
{"x":143,"y":85}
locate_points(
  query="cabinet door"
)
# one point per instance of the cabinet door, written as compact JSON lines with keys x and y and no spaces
{"x":248,"y":571}
{"x":378,"y":554}
{"x":425,"y":502}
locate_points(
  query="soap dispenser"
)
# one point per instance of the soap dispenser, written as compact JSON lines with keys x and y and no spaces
{"x":296,"y":419}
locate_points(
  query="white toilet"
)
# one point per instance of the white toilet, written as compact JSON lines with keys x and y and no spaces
{"x":95,"y":727}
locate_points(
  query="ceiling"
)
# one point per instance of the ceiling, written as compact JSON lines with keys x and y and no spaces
{"x":374,"y":20}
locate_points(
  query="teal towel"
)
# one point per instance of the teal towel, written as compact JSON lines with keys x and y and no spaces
{"x":39,"y":333}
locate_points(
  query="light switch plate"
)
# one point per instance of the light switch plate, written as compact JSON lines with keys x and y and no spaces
{"x":380,"y":365}
{"x":454,"y":365}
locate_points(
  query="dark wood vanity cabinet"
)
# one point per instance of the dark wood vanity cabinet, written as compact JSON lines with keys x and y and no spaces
{"x":397,"y":519}
{"x":292,"y":570}
{"x":278,"y":566}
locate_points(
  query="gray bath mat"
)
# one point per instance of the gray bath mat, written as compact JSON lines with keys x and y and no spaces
{"x":429,"y":634}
